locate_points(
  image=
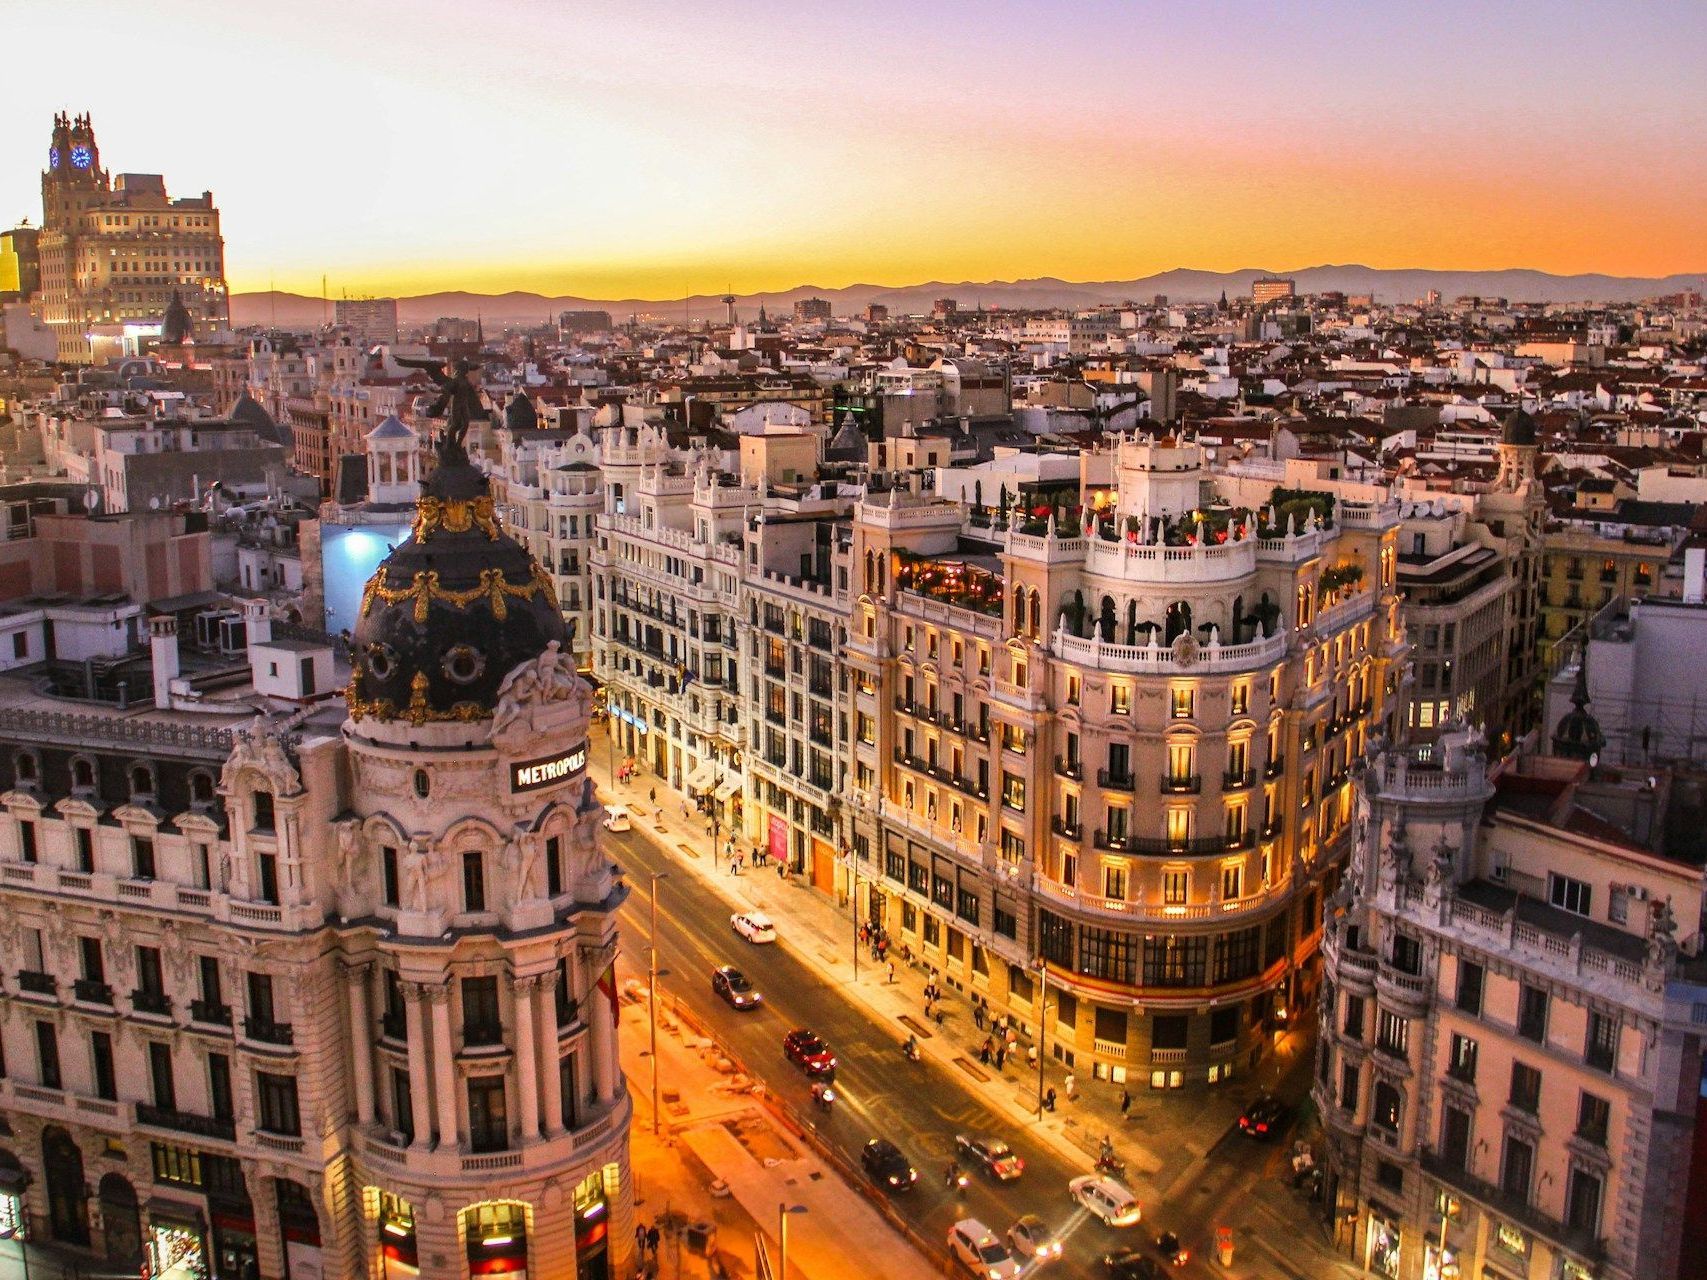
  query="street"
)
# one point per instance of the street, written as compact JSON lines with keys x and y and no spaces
{"x":882,"y":1094}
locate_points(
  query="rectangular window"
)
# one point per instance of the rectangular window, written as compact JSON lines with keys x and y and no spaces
{"x":101,"y":1062}
{"x":1594,"y":1119}
{"x":1600,"y":1050}
{"x":269,"y":877}
{"x":1013,"y":791}
{"x":160,"y":1078}
{"x":1469,"y":997}
{"x":388,"y":871}
{"x":1582,"y":1202}
{"x":1349,"y":1081}
{"x":1108,"y":954}
{"x":1176,"y":886}
{"x":94,"y":963}
{"x":1525,"y":1088}
{"x":1237,"y":955}
{"x":261,"y":997}
{"x":1393,"y":1034}
{"x":1354,"y":1017}
{"x":85,"y":849}
{"x":1242,"y":698}
{"x":403,"y":1104}
{"x":553,"y":866}
{"x":1114,"y":875}
{"x":1232,"y":882}
{"x":1120,"y":699}
{"x":473,"y":881}
{"x":263,"y":803}
{"x":564,"y":999}
{"x":1182,"y":701}
{"x":219,"y":1087}
{"x":1517,"y":1166}
{"x":275,"y":1099}
{"x":1532,"y":1014}
{"x":966,"y":906}
{"x":27,"y":841}
{"x":1174,"y":961}
{"x":1407,"y":953}
{"x":142,"y":857}
{"x":1006,"y":923}
{"x":1461,"y":1059}
{"x":1568,"y":894}
{"x":47,"y":1055}
{"x":1455,"y":1137}
{"x":481,"y":1023}
{"x":488,"y":1123}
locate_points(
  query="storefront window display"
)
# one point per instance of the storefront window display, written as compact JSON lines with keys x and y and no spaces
{"x":1383,"y":1247}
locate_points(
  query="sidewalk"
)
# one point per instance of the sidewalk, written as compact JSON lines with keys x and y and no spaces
{"x":1167,"y":1136}
{"x":722,"y":1157}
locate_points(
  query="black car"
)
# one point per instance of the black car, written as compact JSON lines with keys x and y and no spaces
{"x":731,"y":984}
{"x":1263,"y":1118}
{"x":886,"y":1166}
{"x":992,"y":1155}
{"x":1172,"y":1251}
{"x":1129,"y":1264}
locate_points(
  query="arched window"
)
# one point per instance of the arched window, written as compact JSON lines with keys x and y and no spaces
{"x":25,"y":768}
{"x":201,"y":789}
{"x":141,"y":781}
{"x":1107,"y":620}
{"x":1036,"y":614}
{"x":1019,"y":610}
{"x":82,"y":774}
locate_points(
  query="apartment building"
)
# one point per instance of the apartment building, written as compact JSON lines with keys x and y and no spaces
{"x":1102,"y":753}
{"x":328,"y":991}
{"x":1511,"y":1046}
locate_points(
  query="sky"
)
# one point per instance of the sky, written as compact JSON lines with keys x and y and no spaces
{"x":651,"y":148}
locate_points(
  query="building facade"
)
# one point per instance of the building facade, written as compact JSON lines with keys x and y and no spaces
{"x":118,"y":249}
{"x":1106,"y":751}
{"x":330,"y":992}
{"x":1508,"y":1072}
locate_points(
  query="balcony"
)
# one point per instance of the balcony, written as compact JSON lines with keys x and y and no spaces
{"x":92,"y":991}
{"x":1112,"y":781}
{"x":37,"y":983}
{"x":1183,"y":784}
{"x":210,"y":1012}
{"x":1117,"y":842}
{"x":1067,"y":830}
{"x":266,"y":1031}
{"x":155,"y":1002}
{"x":1274,"y":768}
{"x":186,"y":1122}
{"x":1074,"y":769}
{"x":482,"y":1035}
{"x":1238,"y":779}
{"x":1517,"y":1209}
{"x":1272,"y":830}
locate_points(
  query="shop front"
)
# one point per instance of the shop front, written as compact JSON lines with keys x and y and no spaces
{"x":299,"y":1224}
{"x":177,"y":1241}
{"x":1381,"y":1242}
{"x":823,"y":867}
{"x":497,"y":1239}
{"x":14,"y":1221}
{"x":592,"y":1229}
{"x":398,"y":1257}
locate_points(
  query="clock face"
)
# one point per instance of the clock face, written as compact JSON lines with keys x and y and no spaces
{"x":81,"y":157}
{"x":53,"y":157}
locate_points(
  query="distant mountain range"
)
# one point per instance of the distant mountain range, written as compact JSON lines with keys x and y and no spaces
{"x":292,"y":310}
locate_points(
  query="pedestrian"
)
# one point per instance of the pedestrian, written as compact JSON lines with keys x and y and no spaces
{"x":891,"y":972}
{"x":1049,"y":1099}
{"x":883,"y":949}
{"x":1125,"y":1102}
{"x":1068,"y":1084}
{"x":782,"y":871}
{"x":731,"y":866}
{"x":652,"y":795}
{"x":1001,"y":1056}
{"x":652,"y":1236}
{"x":978,"y":1016}
{"x":1031,"y":1055}
{"x":640,"y":1237}
{"x":984,"y":1053}
{"x":710,"y":829}
{"x":684,"y":810}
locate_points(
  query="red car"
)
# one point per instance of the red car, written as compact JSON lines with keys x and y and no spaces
{"x":808,"y":1052}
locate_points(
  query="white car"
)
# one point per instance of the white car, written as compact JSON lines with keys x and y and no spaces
{"x":1030,"y":1238}
{"x":1107,"y":1199}
{"x":617,"y":818}
{"x":976,"y":1248}
{"x":754,"y":926}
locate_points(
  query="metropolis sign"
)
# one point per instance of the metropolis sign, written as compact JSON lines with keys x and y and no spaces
{"x":530,"y":775}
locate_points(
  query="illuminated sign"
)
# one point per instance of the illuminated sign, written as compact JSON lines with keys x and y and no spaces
{"x":530,"y":775}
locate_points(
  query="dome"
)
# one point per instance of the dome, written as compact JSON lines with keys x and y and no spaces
{"x":452,"y":610}
{"x":176,"y":326}
{"x":1518,"y":428}
{"x":1578,"y":734}
{"x":393,"y":428}
{"x":519,"y":414}
{"x":252,"y":413}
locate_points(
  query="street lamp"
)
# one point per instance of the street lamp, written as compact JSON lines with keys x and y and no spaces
{"x":1042,"y":1034}
{"x":652,"y":994}
{"x":782,"y":1212}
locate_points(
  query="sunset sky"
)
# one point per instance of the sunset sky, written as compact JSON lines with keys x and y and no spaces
{"x":650,"y":148}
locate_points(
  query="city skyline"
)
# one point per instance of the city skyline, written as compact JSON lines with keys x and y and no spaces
{"x":883,"y":146}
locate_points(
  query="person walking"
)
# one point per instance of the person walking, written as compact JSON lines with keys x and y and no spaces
{"x":1049,"y":1099}
{"x":891,"y":973}
{"x":1001,"y":1056}
{"x":984,"y":1052}
{"x":1125,"y":1103}
{"x":1068,"y":1084}
{"x":652,"y":795}
{"x":978,"y":1017}
{"x":652,"y":1237}
{"x":640,"y":1238}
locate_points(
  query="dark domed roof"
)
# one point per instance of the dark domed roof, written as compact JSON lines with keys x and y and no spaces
{"x":252,"y":413}
{"x":519,"y":414}
{"x":452,"y":610}
{"x":1578,"y":735}
{"x":1518,"y":428}
{"x":177,"y":325}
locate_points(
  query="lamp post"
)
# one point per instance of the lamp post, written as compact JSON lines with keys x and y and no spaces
{"x":782,"y":1212}
{"x":652,"y":994}
{"x":1042,"y":1023}
{"x":716,"y":784}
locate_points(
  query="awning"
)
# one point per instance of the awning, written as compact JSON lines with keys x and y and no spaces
{"x":190,"y":1215}
{"x":729,"y":787}
{"x":702,"y":778}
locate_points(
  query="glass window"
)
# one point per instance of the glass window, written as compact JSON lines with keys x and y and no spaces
{"x":1469,"y":997}
{"x":481,"y":1022}
{"x":276,"y":1100}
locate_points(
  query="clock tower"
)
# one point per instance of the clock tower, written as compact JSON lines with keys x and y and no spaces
{"x":73,"y":179}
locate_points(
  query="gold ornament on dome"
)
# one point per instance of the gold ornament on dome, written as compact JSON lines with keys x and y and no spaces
{"x":456,"y":515}
{"x":419,"y":711}
{"x":425,"y":588}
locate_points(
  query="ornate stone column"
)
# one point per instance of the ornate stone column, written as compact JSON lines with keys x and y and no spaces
{"x":527,"y":1065}
{"x":604,"y":1045}
{"x":420,"y":1095}
{"x":361,"y":1039}
{"x":444,"y":1065}
{"x":545,"y":1010}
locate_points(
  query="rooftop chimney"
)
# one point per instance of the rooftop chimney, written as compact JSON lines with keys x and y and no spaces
{"x":163,"y":650}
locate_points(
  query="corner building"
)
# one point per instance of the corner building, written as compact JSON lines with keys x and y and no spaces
{"x":323,"y":994}
{"x":1107,"y":750}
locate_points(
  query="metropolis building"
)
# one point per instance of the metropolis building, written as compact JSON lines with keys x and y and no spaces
{"x":1102,"y":754}
{"x":328,"y":992}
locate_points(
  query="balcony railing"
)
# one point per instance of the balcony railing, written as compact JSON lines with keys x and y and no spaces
{"x":1238,"y":779}
{"x":1182,"y":784}
{"x":145,"y":1001}
{"x":1074,"y":769}
{"x":186,"y":1122}
{"x":1275,"y":767}
{"x":1069,"y":830}
{"x":37,"y":983}
{"x":1516,"y":1208}
{"x":93,"y":991}
{"x":268,"y":1032}
{"x":210,"y":1011}
{"x":1115,"y":781}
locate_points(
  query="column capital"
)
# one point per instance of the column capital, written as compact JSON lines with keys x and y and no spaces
{"x":356,"y":972}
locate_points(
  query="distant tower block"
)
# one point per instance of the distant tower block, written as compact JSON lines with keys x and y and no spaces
{"x":729,"y":309}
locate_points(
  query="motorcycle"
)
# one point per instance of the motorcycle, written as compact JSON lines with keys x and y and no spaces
{"x":955,"y":1179}
{"x":910,"y":1051}
{"x":824,"y":1096}
{"x":1110,"y":1164}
